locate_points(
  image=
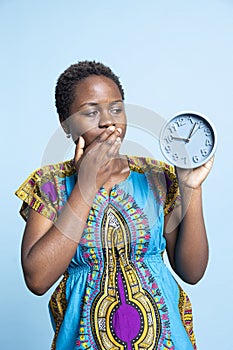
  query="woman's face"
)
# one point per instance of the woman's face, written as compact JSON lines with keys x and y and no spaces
{"x":97,"y":105}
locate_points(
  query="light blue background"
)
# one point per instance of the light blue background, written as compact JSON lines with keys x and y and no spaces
{"x":170,"y":55}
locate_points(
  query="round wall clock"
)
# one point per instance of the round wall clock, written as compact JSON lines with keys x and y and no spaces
{"x":188,"y":140}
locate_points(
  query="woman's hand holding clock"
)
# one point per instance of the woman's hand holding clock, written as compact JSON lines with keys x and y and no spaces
{"x":188,"y":141}
{"x":193,"y":178}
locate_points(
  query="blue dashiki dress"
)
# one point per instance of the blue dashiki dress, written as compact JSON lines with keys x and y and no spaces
{"x":117,"y":293}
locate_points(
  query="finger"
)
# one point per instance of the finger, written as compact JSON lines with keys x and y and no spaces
{"x":106,"y":134}
{"x":114,"y":149}
{"x":95,"y":144}
{"x":79,"y":149}
{"x":208,"y":165}
{"x":110,"y":148}
{"x":102,"y":144}
{"x":110,"y":140}
{"x":106,"y":141}
{"x":206,"y":168}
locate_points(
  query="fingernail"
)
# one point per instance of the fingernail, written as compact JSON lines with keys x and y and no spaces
{"x":119,"y":130}
{"x":111,"y":128}
{"x":118,"y":139}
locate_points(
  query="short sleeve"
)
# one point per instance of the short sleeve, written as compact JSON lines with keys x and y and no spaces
{"x":39,"y":193}
{"x":172,"y":189}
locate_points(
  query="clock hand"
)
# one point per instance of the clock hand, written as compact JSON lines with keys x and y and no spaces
{"x":192,"y":131}
{"x":180,"y":138}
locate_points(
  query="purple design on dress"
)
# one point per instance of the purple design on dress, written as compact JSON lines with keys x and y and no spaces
{"x":126,"y":320}
{"x":49,"y":189}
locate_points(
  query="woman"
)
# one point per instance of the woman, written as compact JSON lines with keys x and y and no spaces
{"x":102,"y":220}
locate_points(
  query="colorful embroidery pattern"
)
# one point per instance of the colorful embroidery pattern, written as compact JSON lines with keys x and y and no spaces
{"x":185,"y":308}
{"x":58,"y":306}
{"x":123,"y":315}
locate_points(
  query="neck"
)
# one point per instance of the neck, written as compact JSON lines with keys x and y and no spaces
{"x":119,"y":171}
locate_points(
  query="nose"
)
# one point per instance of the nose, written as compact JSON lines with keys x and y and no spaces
{"x":105,"y":119}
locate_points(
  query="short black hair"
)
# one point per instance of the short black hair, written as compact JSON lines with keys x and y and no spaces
{"x":68,"y":80}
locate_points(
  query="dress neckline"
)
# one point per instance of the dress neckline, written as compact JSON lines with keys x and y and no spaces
{"x":103,"y":190}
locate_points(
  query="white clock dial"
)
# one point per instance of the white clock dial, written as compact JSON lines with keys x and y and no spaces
{"x":188,"y":140}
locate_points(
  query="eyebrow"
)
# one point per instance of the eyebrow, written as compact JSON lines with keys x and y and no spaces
{"x":96,"y":104}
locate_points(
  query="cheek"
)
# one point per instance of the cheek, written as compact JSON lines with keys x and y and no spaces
{"x":80,"y":127}
{"x":90,"y":135}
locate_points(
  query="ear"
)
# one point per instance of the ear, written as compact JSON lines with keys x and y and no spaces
{"x":65,"y":127}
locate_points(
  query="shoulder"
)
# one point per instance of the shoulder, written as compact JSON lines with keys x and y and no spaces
{"x":145,"y":164}
{"x":61,"y":169}
{"x":43,"y":187}
{"x":45,"y":176}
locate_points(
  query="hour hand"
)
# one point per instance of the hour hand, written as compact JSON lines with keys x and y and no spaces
{"x":180,"y":138}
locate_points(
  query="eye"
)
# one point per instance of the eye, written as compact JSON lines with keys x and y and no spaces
{"x":116,"y":110}
{"x":91,"y":113}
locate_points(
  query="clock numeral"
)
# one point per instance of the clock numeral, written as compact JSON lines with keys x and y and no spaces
{"x":196,"y":159}
{"x":168,"y":148}
{"x":204,"y":152}
{"x":208,"y":142}
{"x":199,"y":123}
{"x":180,"y":122}
{"x":172,"y":127}
{"x":191,"y":120}
{"x":168,"y":139}
{"x":207,"y":132}
{"x":175,"y":156}
{"x":184,"y":159}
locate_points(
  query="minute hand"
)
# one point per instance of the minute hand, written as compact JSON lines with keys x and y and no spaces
{"x":191,"y":132}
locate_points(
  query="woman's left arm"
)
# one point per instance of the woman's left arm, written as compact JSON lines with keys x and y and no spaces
{"x":185,"y":233}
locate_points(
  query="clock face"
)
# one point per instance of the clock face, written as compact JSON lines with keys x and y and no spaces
{"x":188,"y":140}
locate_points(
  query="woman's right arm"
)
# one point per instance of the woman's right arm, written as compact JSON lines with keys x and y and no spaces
{"x":47,"y":247}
